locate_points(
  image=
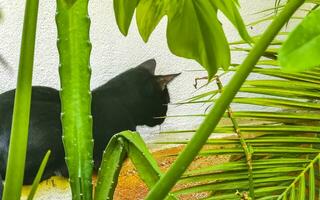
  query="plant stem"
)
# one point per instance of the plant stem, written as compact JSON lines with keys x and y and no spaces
{"x":38,"y":177}
{"x":169,"y":179}
{"x":21,"y":111}
{"x":74,"y":47}
{"x":246,"y":148}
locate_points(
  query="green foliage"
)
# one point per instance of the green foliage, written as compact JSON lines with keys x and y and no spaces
{"x":124,"y":11}
{"x":124,"y":144}
{"x":70,"y":2}
{"x":38,"y":176}
{"x":281,"y":161}
{"x":109,"y":170}
{"x":283,"y":136}
{"x":305,"y":190}
{"x":169,"y":179}
{"x":20,"y":121}
{"x":301,"y":50}
{"x":195,"y":32}
{"x":284,"y":147}
{"x":193,"y":29}
{"x":74,"y":50}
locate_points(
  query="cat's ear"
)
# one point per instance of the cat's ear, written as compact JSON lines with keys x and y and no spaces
{"x":149,"y":65}
{"x":164,"y":80}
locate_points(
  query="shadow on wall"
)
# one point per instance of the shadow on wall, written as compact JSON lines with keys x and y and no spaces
{"x":3,"y":62}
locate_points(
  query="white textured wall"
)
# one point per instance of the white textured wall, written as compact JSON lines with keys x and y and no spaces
{"x":112,"y":53}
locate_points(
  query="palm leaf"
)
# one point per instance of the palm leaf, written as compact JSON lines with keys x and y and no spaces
{"x":282,"y":135}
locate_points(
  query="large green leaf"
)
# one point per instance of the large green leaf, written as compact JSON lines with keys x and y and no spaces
{"x":142,"y":159}
{"x":230,"y":10}
{"x":124,"y":144}
{"x":193,"y":29}
{"x":195,"y":32}
{"x":302,"y":48}
{"x":149,"y":14}
{"x":109,"y":171}
{"x":124,"y":10}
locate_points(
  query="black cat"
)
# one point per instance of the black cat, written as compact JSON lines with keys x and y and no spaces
{"x":135,"y":97}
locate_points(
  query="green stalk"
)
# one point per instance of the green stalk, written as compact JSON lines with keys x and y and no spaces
{"x":38,"y":177}
{"x":74,"y":48}
{"x":21,"y":111}
{"x":169,"y":179}
{"x":246,"y":147}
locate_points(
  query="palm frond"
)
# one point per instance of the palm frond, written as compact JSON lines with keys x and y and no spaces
{"x":282,"y":136}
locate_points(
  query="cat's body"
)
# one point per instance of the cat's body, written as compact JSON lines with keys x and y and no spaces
{"x":135,"y":97}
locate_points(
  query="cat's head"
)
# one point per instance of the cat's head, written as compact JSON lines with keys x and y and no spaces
{"x":146,"y":95}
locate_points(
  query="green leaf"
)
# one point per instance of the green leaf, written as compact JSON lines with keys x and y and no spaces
{"x":20,"y":119}
{"x":231,"y":185}
{"x":301,"y":179}
{"x":37,"y":179}
{"x":293,"y":193}
{"x":70,"y":2}
{"x":195,"y":32}
{"x":302,"y":189}
{"x":124,"y":10}
{"x":302,"y":48}
{"x":193,"y":29}
{"x":230,"y":10}
{"x":142,"y":159}
{"x":313,"y":1}
{"x":277,"y":103}
{"x":121,"y":145}
{"x":312,"y":184}
{"x":149,"y":14}
{"x":109,"y":171}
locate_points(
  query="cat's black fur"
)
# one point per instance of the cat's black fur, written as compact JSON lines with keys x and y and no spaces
{"x":135,"y":97}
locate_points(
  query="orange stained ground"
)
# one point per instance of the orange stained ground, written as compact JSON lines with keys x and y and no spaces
{"x":130,"y":186}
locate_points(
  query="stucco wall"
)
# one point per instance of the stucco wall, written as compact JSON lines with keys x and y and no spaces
{"x":111,"y":54}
